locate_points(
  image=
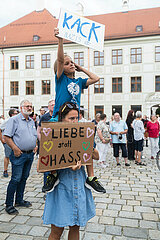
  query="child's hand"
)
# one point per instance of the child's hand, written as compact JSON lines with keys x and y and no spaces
{"x":56,"y":32}
{"x":77,"y":166}
{"x":78,"y":68}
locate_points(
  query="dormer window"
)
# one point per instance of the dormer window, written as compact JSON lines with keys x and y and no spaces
{"x":35,"y":38}
{"x":139,"y":28}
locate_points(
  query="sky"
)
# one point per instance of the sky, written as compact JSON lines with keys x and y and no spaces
{"x":11,"y":10}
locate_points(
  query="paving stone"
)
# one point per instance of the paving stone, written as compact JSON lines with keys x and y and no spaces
{"x":6,"y":217}
{"x":94,"y":236}
{"x":19,"y":237}
{"x":148,"y":224}
{"x":6,"y":227}
{"x":21,"y":229}
{"x":110,"y":213}
{"x":95,"y":228}
{"x":135,"y":232}
{"x":125,"y":222}
{"x":38,"y":231}
{"x":143,"y":209}
{"x":150,"y":216}
{"x":154,"y":234}
{"x":113,"y":230}
{"x":114,"y":207}
{"x":106,"y":220}
{"x":126,"y":214}
{"x":33,"y":221}
{"x":3,"y":236}
{"x":20,"y":219}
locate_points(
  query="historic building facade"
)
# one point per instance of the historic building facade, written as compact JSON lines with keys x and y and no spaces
{"x":129,"y":66}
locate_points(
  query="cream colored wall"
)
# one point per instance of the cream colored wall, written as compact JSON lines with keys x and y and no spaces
{"x":147,"y":70}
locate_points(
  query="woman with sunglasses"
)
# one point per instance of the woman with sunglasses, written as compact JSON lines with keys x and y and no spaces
{"x":71,"y":203}
{"x":68,"y":88}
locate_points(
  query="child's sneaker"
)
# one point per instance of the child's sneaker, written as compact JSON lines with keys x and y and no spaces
{"x":95,"y":185}
{"x":50,"y":184}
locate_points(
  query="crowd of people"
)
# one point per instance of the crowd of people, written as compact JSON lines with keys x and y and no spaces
{"x":69,"y":201}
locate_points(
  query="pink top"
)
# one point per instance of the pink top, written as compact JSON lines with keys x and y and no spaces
{"x":153,"y":129}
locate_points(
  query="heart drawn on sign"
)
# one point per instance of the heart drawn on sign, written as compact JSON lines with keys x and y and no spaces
{"x":46,"y":131}
{"x":48,"y":145}
{"x":45,"y":160}
{"x":86,"y":157}
{"x":90,"y":132}
{"x":85,"y":145}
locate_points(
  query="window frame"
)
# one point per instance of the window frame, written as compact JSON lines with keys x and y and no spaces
{"x":136,"y":83}
{"x":156,"y":83}
{"x":136,"y":55}
{"x":30,"y":87}
{"x":14,"y":62}
{"x":157,"y":53}
{"x":117,"y":56}
{"x":79,"y":58}
{"x":14,"y":88}
{"x":46,"y":60}
{"x":98,"y":111}
{"x":30,"y":61}
{"x":99,"y":57}
{"x":117,"y":84}
{"x":46,"y":87}
{"x":99,"y":84}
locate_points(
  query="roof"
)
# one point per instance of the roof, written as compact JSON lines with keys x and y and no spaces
{"x":41,"y":23}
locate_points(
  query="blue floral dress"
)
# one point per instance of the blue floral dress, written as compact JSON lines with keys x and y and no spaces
{"x":71,"y":203}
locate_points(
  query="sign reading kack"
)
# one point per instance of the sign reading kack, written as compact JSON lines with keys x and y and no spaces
{"x":63,"y":144}
{"x":81,"y":30}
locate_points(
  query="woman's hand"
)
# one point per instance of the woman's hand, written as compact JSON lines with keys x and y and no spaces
{"x":77,"y":166}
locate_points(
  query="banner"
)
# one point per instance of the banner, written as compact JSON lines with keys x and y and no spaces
{"x":81,"y":30}
{"x":63,"y":144}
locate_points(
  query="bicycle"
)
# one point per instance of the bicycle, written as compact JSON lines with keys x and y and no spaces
{"x":158,"y":159}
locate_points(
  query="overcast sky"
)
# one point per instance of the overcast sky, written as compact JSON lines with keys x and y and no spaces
{"x":11,"y":10}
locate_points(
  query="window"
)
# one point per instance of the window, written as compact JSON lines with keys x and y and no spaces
{"x":117,"y":109}
{"x":99,"y":109}
{"x":30,"y":62}
{"x":29,"y":87}
{"x":45,"y":60}
{"x":135,"y":84}
{"x":157,"y":54}
{"x":117,"y":56}
{"x":136,"y":108}
{"x":99,"y":86}
{"x":79,"y":58}
{"x":35,"y":38}
{"x":46,"y":86}
{"x":14,"y":88}
{"x":98,"y":58}
{"x":116,"y":85}
{"x":157,"y":84}
{"x":14,"y":62}
{"x":136,"y":55}
{"x":139,"y":28}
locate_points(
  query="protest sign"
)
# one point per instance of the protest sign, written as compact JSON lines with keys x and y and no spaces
{"x":81,"y":30}
{"x":63,"y":144}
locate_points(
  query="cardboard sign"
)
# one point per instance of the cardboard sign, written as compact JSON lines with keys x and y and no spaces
{"x":63,"y":144}
{"x":81,"y":30}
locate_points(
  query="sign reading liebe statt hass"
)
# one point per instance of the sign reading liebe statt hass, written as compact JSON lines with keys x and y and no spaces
{"x":63,"y":144}
{"x":84,"y":31}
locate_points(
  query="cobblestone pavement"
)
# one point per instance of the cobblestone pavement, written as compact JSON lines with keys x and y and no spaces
{"x":130,"y":209}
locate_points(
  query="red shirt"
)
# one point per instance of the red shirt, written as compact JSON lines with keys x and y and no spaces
{"x":153,"y":129}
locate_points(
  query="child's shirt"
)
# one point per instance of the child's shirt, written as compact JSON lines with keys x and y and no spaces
{"x":68,"y":90}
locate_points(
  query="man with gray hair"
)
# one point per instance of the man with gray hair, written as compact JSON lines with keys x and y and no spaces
{"x":118,"y":131}
{"x":21,"y":135}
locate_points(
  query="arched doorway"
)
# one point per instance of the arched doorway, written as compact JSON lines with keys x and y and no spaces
{"x":155,"y":109}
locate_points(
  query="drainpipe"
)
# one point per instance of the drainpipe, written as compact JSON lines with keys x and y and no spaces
{"x":3,"y":81}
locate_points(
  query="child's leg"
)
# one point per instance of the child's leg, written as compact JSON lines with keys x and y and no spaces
{"x":90,"y":170}
{"x":92,"y":181}
{"x":56,"y":233}
{"x":73,"y":233}
{"x":50,"y":181}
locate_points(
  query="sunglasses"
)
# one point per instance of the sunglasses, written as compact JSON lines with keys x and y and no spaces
{"x":69,"y":106}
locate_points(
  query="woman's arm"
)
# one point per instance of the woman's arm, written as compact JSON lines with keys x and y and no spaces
{"x":101,"y":136}
{"x":93,"y":78}
{"x":60,"y":54}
